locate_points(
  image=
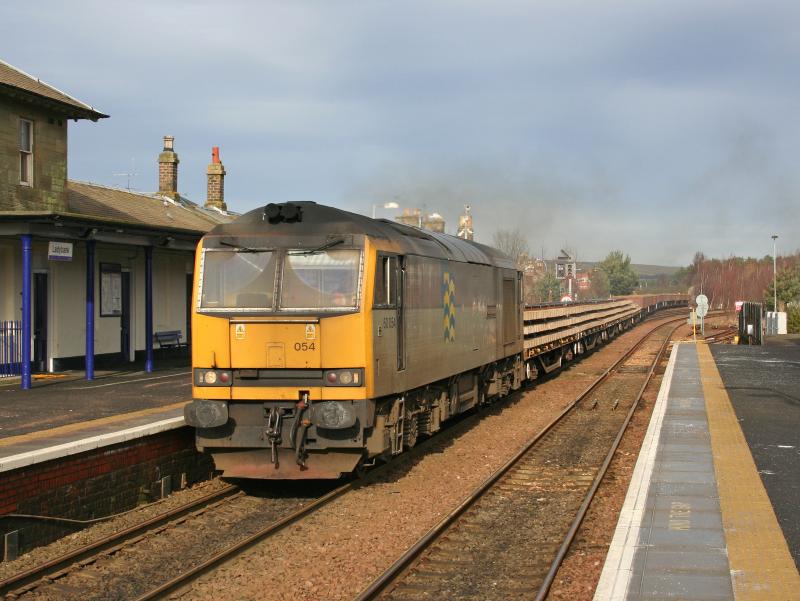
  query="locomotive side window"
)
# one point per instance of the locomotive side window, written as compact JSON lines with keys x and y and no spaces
{"x":237,"y":280}
{"x":385,"y":281}
{"x":321,"y":280}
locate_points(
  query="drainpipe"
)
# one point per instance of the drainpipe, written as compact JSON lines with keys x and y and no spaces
{"x":148,"y":308}
{"x":90,"y":309}
{"x":26,"y":311}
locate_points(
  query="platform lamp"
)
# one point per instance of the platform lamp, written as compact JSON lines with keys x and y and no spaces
{"x":386,"y":205}
{"x":775,"y":273}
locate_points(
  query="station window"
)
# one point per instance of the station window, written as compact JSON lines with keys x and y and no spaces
{"x":385,"y":278}
{"x":26,"y":152}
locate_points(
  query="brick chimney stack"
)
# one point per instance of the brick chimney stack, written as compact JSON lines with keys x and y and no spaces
{"x":168,"y":170}
{"x":216,"y":182}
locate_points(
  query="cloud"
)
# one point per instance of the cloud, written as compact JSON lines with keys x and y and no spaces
{"x":658,"y":127}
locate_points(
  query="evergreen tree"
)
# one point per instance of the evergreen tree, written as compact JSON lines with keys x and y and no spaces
{"x":621,"y":277}
{"x":788,"y":288}
{"x":548,"y":289}
{"x":600,"y":286}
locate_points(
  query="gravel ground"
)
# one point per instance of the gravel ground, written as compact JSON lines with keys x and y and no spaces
{"x":339,"y":550}
{"x":150,"y":561}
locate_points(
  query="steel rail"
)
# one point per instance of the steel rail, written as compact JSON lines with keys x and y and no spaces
{"x":379,"y":585}
{"x":544,"y":589}
{"x":23,"y":579}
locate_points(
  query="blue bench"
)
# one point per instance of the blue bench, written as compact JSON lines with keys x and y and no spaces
{"x":169,"y":339}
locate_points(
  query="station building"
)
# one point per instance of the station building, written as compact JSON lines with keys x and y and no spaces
{"x":77,"y":257}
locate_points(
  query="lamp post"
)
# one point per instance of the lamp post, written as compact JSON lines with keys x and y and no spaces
{"x":775,"y":272}
{"x":386,"y":205}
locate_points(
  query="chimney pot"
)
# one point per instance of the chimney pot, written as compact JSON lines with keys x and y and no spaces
{"x":168,"y":170}
{"x":215,"y":197}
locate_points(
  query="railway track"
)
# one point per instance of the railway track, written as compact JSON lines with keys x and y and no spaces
{"x":138,"y":562}
{"x":27,"y":580}
{"x":72,"y":575}
{"x":508,"y":538}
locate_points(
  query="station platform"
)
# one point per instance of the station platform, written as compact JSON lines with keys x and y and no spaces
{"x":66,"y":415}
{"x":711,"y":511}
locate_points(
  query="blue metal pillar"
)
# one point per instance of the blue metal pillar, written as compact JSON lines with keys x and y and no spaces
{"x":90,"y":309}
{"x":148,"y":308}
{"x":26,"y":311}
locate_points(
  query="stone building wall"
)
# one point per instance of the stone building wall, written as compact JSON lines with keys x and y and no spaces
{"x":49,"y":191}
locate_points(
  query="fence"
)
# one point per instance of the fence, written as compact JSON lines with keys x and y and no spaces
{"x":10,"y":348}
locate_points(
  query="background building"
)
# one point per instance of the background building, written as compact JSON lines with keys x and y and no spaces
{"x":416,"y":218}
{"x":465,"y":229}
{"x":87,"y":271}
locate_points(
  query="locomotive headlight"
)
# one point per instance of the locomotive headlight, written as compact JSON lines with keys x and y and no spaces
{"x":333,"y":415}
{"x":213,"y":377}
{"x":344,"y":377}
{"x":206,"y":414}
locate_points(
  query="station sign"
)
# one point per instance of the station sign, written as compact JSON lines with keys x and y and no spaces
{"x":59,"y":251}
{"x":739,"y":305}
{"x":702,"y":305}
{"x":566,"y":298}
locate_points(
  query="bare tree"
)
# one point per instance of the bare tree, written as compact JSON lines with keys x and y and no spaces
{"x":513,"y":243}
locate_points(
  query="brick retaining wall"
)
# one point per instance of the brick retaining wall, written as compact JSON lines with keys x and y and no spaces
{"x":96,"y":483}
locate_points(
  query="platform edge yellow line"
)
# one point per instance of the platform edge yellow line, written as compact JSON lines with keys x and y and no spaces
{"x":761,"y":565}
{"x":86,"y":425}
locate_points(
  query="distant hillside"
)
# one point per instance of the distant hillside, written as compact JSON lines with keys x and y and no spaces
{"x":640,"y":269}
{"x":654,"y":269}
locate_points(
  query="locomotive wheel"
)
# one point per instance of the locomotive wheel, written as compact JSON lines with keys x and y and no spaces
{"x":411,"y":431}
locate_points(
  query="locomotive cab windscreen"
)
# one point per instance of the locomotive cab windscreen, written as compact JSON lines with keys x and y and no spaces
{"x":251,"y":280}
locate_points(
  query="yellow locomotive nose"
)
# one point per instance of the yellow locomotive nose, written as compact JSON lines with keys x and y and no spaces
{"x":257,"y":344}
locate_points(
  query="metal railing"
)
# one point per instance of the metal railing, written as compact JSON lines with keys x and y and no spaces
{"x":10,"y":348}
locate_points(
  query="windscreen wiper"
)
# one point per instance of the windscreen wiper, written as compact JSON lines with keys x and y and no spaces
{"x":241,"y":249}
{"x":314,"y":251}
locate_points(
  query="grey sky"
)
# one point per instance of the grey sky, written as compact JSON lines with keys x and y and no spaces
{"x":659,"y":128}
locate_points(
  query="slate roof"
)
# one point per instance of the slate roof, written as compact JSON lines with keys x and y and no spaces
{"x":136,"y":208}
{"x":17,"y":83}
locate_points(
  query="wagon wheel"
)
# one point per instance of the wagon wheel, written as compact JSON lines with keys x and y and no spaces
{"x":411,"y":430}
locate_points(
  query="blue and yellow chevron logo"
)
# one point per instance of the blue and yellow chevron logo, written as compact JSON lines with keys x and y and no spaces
{"x":449,"y":299}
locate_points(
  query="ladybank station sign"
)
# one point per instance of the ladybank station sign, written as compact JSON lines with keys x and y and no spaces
{"x":59,"y":251}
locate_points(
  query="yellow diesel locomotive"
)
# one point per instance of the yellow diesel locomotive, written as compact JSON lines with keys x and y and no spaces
{"x":323,"y":340}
